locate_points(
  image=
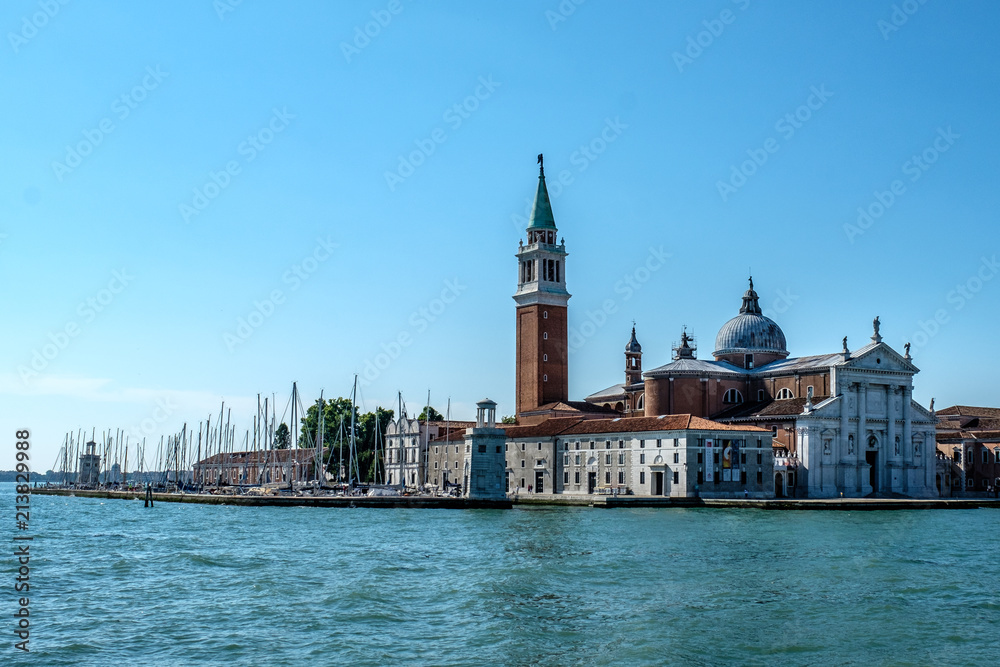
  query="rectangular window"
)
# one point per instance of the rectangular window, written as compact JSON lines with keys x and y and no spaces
{"x":591,"y":444}
{"x":642,"y":477}
{"x":743,"y":457}
{"x":621,"y":476}
{"x":607,"y":444}
{"x":566,"y":477}
{"x":743,"y":477}
{"x":642,"y":457}
{"x":677,"y":477}
{"x":522,"y":482}
{"x":621,"y":444}
{"x":539,"y":446}
{"x":607,"y":477}
{"x":576,"y":477}
{"x":435,"y":463}
{"x":677,"y":457}
{"x":522,"y":462}
{"x":657,"y":443}
{"x":642,"y":444}
{"x":565,"y":459}
{"x":578,"y":444}
{"x":621,"y":458}
{"x":774,"y":431}
{"x":760,"y":476}
{"x":715,"y":458}
{"x":522,"y":446}
{"x":607,"y":459}
{"x":701,"y":477}
{"x":505,"y":447}
{"x":701,"y":457}
{"x":578,"y":459}
{"x":759,"y":458}
{"x":482,"y":448}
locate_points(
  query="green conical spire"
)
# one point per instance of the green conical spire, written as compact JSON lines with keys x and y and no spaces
{"x":541,"y":211}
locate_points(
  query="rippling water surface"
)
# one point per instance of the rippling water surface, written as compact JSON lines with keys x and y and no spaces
{"x":114,"y":583}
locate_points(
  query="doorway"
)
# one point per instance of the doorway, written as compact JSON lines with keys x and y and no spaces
{"x":779,"y":485}
{"x":591,"y":481}
{"x":872,"y":459}
{"x":539,"y":481}
{"x":657,"y":483}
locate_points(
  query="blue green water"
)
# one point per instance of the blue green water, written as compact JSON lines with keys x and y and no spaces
{"x":114,"y":583}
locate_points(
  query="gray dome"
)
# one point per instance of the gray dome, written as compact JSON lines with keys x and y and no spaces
{"x":750,"y":331}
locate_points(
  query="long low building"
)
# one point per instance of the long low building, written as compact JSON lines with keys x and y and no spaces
{"x":672,"y":455}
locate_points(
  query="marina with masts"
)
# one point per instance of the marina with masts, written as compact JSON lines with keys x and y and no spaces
{"x":270,"y":464}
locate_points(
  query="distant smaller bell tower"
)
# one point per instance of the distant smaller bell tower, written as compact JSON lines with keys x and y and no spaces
{"x":633,"y":360}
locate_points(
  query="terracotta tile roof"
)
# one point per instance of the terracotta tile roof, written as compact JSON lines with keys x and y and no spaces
{"x":969,"y":411}
{"x":547,"y":428}
{"x":785,"y":407}
{"x":574,"y":406}
{"x":301,"y":455}
{"x":648,"y":424}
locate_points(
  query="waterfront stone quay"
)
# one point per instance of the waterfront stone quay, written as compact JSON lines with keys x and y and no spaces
{"x":540,"y":500}
{"x":843,"y":504}
{"x":427,"y":502}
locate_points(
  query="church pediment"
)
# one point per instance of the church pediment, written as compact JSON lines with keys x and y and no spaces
{"x":880,"y":357}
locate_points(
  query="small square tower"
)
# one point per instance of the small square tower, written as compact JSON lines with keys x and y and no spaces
{"x":485,"y":457}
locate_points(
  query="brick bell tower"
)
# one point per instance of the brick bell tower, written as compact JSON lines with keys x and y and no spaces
{"x":542,"y":349}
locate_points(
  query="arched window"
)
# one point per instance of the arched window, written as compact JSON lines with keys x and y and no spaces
{"x":784,"y":394}
{"x":642,"y":402}
{"x":732,"y":396}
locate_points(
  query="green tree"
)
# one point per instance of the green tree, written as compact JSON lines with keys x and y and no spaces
{"x":282,"y":436}
{"x":508,"y":419}
{"x":337,"y":437}
{"x":435,"y":415}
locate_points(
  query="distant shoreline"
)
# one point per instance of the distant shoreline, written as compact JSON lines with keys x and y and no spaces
{"x":539,"y":500}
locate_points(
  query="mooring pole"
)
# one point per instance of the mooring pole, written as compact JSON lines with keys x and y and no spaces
{"x":149,"y":495}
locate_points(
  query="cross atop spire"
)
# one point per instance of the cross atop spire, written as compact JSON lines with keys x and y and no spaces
{"x":541,"y":164}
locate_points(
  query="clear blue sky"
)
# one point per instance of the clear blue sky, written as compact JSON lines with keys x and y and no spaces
{"x":183,"y":87}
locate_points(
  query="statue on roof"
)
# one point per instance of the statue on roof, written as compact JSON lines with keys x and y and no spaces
{"x":876,"y":324}
{"x":906,"y":350}
{"x":845,"y":345}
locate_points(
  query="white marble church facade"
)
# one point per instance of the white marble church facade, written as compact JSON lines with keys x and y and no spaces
{"x":871,"y":437}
